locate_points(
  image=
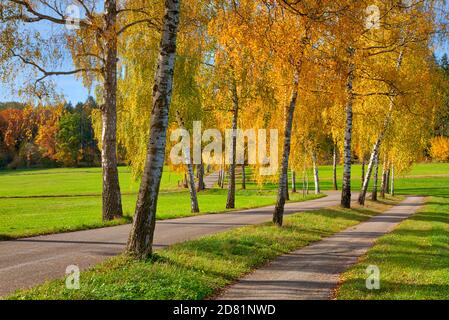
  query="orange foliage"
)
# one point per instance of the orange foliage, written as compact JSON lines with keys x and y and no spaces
{"x":440,"y":148}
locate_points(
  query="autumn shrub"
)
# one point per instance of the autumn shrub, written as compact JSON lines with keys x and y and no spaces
{"x":439,"y":149}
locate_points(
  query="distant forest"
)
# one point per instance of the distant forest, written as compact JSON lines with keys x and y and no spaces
{"x":47,"y":135}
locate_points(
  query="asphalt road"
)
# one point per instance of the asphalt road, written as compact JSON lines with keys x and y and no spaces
{"x":313,"y":272}
{"x":27,"y":262}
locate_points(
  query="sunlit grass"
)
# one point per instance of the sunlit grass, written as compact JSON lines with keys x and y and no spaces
{"x":198,"y":269}
{"x":413,"y":260}
{"x":33,"y":216}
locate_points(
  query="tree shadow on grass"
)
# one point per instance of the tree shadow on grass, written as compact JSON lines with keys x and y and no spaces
{"x":437,"y":203}
{"x":396,"y":290}
{"x":5,"y":237}
{"x":356,"y":214}
{"x":126,"y":219}
{"x":434,"y":217}
{"x":436,"y":192}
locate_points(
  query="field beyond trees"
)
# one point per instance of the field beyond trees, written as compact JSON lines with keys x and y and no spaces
{"x":46,"y":201}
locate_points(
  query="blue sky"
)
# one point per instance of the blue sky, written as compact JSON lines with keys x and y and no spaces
{"x":72,"y":89}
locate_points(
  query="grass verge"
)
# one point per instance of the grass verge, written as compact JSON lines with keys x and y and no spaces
{"x":413,"y":260}
{"x":199,"y":269}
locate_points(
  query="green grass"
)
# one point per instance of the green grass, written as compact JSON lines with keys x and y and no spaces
{"x":70,"y":182}
{"x":34,"y":216}
{"x":413,"y":260}
{"x":423,"y":179}
{"x":200,"y":268}
{"x":46,"y":201}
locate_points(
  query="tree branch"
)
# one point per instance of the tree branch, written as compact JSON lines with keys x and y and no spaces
{"x":150,"y":22}
{"x":38,"y":16}
{"x":52,"y":73}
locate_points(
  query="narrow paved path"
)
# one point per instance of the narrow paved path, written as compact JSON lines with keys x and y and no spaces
{"x":211,"y":180}
{"x":28,"y":262}
{"x":313,"y":272}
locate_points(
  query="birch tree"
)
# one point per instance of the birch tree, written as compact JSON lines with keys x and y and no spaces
{"x":140,"y":242}
{"x":412,"y":31}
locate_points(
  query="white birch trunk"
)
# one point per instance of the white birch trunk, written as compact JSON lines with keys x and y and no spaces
{"x":334,"y":168}
{"x":293,"y":181}
{"x":316,"y":177}
{"x":346,"y":187}
{"x":378,"y":142}
{"x":376,"y":178}
{"x":278,"y":213}
{"x":140,"y":242}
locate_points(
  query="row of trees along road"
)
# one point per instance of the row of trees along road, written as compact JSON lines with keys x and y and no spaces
{"x":358,"y":76}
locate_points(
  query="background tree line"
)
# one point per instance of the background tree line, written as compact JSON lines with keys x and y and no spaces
{"x":47,"y":135}
{"x":439,"y":146}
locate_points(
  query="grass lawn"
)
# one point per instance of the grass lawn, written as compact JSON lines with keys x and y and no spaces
{"x":32,"y":216}
{"x":45,"y":201}
{"x":200,"y":268}
{"x":413,"y":260}
{"x":70,"y":182}
{"x":423,"y":179}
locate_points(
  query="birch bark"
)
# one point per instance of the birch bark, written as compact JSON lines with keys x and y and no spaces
{"x":140,"y":242}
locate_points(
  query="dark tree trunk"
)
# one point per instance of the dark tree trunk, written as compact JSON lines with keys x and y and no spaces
{"x":185,"y":182}
{"x":293,"y":181}
{"x":243,"y":177}
{"x":307,"y":182}
{"x":200,"y":170}
{"x":346,"y":188}
{"x":287,"y":194}
{"x":223,"y":177}
{"x":112,"y":201}
{"x":230,"y":203}
{"x":278,"y":214}
{"x":384,"y":180}
{"x":387,"y":185}
{"x":392,"y":180}
{"x":140,"y":242}
{"x":193,"y":197}
{"x":376,"y":178}
{"x":365,"y":184}
{"x":363,"y":170}
{"x":334,"y":168}
{"x":304,"y":180}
